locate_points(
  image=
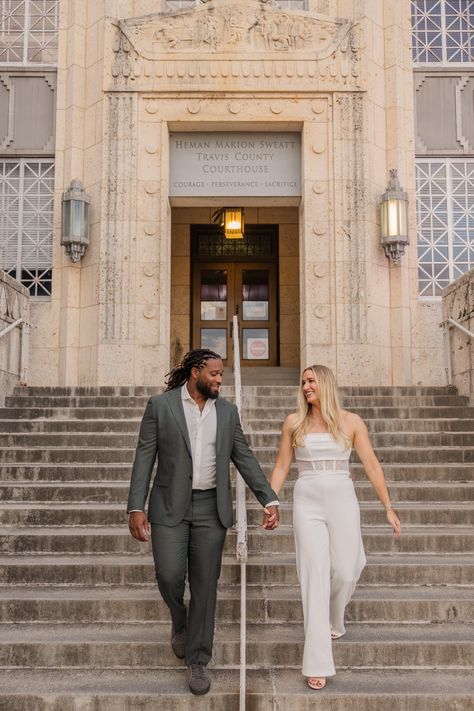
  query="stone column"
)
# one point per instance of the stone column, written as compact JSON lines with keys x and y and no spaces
{"x":79,"y":155}
{"x":118,"y":241}
{"x":317,"y":316}
{"x":400,"y":155}
{"x":357,"y":356}
{"x":152,"y":311}
{"x":69,"y":165}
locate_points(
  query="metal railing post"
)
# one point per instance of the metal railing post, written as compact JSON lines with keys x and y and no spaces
{"x":25,"y":350}
{"x":241,"y":525}
{"x":448,"y":360}
{"x":447,"y":355}
{"x":24,"y":346}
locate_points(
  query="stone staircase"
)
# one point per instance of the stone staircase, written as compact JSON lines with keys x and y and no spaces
{"x":82,"y":624}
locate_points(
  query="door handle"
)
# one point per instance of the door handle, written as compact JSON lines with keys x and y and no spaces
{"x":231,"y":329}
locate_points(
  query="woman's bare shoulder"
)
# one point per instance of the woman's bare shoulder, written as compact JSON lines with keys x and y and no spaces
{"x":290,"y":419}
{"x":351,"y":421}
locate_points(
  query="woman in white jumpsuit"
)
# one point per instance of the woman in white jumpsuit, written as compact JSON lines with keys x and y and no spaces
{"x":326,"y":518}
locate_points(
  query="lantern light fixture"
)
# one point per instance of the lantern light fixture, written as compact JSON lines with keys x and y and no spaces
{"x":75,"y":220}
{"x":232,"y":220}
{"x":394,"y":218}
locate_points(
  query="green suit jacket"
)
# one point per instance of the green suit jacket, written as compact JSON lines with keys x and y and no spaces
{"x":164,"y":434}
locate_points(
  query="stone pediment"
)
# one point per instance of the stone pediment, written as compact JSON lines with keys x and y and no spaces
{"x":248,"y":39}
{"x":229,"y":27}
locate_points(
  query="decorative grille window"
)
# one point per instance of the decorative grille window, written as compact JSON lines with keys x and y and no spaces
{"x":292,"y":4}
{"x":181,"y":4}
{"x":29,"y":31}
{"x":26,"y":222}
{"x":443,"y":31}
{"x":445,"y":222}
{"x":208,"y":242}
{"x":284,"y":4}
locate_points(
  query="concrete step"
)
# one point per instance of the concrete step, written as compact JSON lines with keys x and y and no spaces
{"x":271,"y":439}
{"x":422,"y":539}
{"x":412,"y":412}
{"x":117,"y":412}
{"x":256,"y":439}
{"x":266,"y":425}
{"x":226,"y":388}
{"x":401,"y":491}
{"x":109,"y":492}
{"x":83,"y":625}
{"x":270,"y":603}
{"x":148,"y":646}
{"x":409,"y":454}
{"x":66,"y":413}
{"x":28,"y":472}
{"x":265,"y":455}
{"x":276,"y":569}
{"x":263,"y":389}
{"x":281,"y":395}
{"x":127,"y":690}
{"x":277,"y":399}
{"x":96,"y":514}
{"x":131,"y":425}
{"x":128,"y":426}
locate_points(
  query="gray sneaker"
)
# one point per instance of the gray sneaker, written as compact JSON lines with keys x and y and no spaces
{"x":198,"y":679}
{"x":178,"y":641}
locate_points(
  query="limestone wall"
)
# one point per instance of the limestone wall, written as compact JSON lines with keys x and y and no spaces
{"x":13,"y":305}
{"x":458,"y":304}
{"x":125,"y":81}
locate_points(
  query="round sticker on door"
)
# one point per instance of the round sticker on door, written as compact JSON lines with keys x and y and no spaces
{"x":257,"y":348}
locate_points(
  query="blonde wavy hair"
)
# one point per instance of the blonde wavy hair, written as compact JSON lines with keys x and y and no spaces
{"x":330,"y":408}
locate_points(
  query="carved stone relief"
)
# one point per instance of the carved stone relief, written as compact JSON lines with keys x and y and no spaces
{"x":225,"y":39}
{"x":239,"y":26}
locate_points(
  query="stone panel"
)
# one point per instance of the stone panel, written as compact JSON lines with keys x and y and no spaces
{"x":450,"y":98}
{"x":19,"y":92}
{"x":436,"y":96}
{"x":6,"y":113}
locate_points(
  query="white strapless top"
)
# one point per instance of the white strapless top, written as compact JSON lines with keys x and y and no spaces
{"x":321,"y":452}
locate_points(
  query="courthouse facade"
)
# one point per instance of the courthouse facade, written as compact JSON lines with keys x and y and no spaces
{"x":295,"y":111}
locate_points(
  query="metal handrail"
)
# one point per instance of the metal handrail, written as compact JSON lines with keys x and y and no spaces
{"x":448,"y":361}
{"x":241,"y":526}
{"x":24,"y":352}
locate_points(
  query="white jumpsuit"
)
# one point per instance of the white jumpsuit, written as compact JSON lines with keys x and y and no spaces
{"x":329,"y":550}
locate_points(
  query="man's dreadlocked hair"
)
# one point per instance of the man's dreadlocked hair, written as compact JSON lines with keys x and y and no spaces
{"x":194,"y":359}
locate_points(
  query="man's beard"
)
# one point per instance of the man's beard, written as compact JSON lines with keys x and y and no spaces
{"x":206,"y":390}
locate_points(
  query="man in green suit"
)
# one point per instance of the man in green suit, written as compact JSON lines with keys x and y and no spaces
{"x":195,"y":435}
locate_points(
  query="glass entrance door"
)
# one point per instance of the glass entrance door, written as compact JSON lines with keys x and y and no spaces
{"x":246,"y":289}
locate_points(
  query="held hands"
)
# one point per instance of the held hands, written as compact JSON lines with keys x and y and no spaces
{"x":138,"y":525}
{"x":271,"y":517}
{"x":394,"y":521}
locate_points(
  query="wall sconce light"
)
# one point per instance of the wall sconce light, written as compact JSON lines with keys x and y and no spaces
{"x":232,"y":220}
{"x":75,"y":220}
{"x":394,"y":218}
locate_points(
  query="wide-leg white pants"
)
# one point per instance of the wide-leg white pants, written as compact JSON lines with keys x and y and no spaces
{"x":329,"y":557}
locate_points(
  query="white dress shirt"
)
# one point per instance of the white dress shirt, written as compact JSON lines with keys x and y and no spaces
{"x":202,"y":430}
